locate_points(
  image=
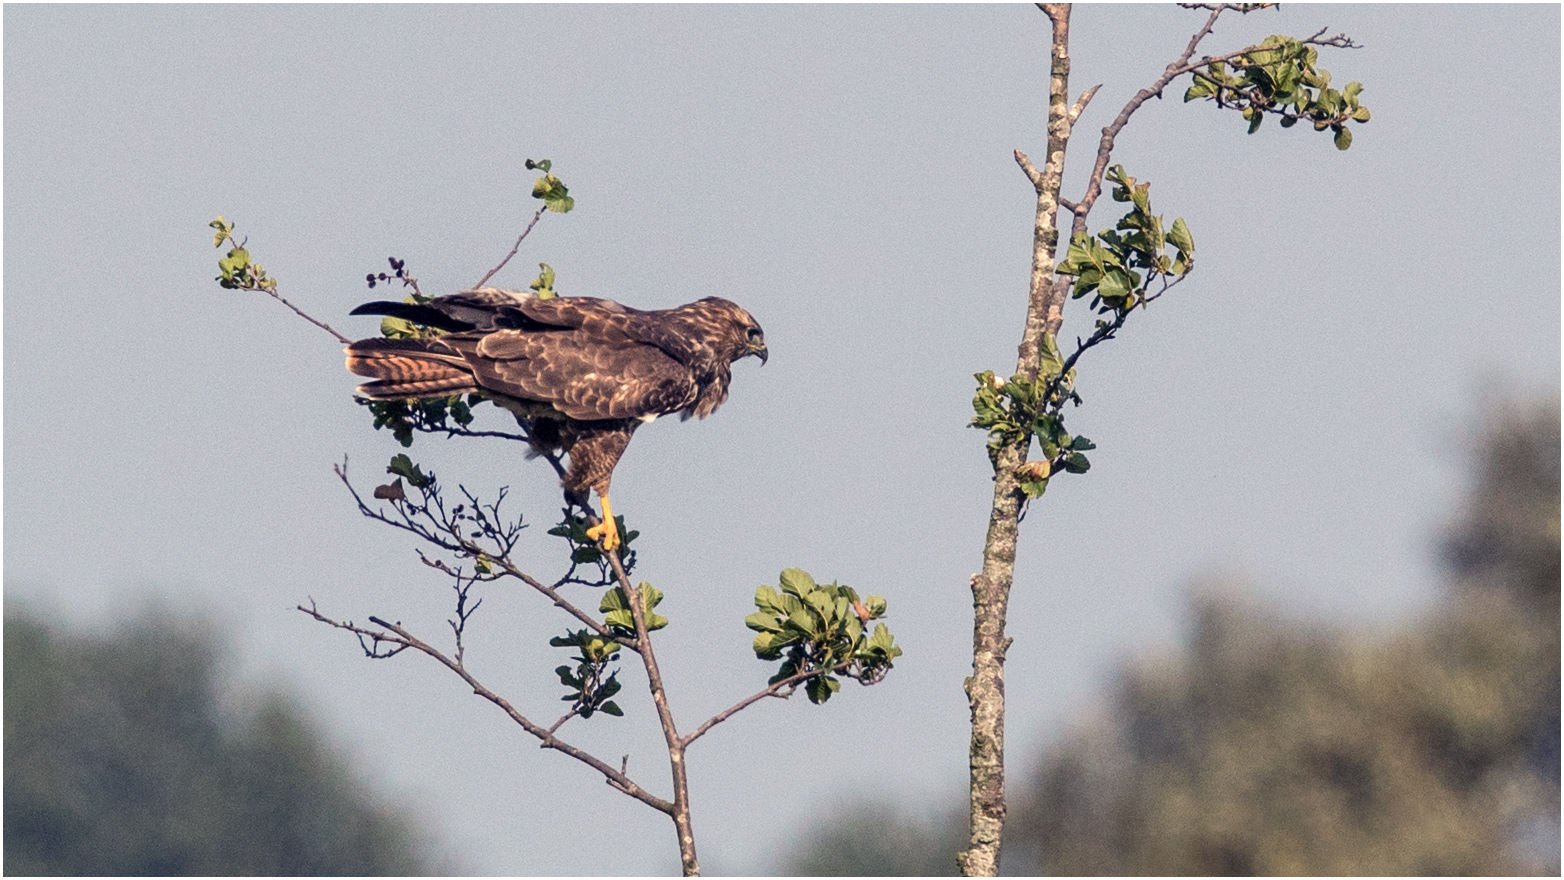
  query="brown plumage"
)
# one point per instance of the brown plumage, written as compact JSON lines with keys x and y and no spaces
{"x":580,"y":373}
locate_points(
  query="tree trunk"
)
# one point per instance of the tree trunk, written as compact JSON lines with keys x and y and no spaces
{"x":991,"y":588}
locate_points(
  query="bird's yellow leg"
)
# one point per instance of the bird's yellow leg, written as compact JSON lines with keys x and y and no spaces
{"x":606,"y":529}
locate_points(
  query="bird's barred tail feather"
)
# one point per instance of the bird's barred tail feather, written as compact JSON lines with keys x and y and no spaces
{"x":405,"y":370}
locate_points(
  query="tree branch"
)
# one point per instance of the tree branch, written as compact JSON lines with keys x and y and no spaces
{"x":524,"y":233}
{"x":1175,"y":69}
{"x":789,"y":684}
{"x":400,"y":636}
{"x":301,"y":313}
{"x":680,"y":809}
{"x":443,"y":530}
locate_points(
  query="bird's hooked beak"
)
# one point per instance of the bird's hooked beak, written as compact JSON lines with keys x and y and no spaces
{"x":761,"y":353}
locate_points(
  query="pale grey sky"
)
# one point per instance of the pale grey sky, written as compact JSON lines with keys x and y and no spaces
{"x":1298,"y":412}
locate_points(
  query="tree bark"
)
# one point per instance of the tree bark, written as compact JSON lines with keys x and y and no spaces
{"x":991,"y":588}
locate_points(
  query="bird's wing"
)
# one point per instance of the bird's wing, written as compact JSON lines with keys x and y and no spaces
{"x":586,"y":375}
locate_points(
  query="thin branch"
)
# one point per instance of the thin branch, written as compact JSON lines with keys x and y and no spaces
{"x":301,"y":313}
{"x":535,"y":218}
{"x":1105,"y":146}
{"x":1080,"y":103}
{"x":1029,"y":169}
{"x":398,"y":635}
{"x":450,"y":538}
{"x":1177,"y":68}
{"x":789,"y":684}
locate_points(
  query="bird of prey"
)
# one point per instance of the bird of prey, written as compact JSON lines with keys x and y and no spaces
{"x":580,"y":373}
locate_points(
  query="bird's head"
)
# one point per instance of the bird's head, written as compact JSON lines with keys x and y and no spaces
{"x":739,"y":330}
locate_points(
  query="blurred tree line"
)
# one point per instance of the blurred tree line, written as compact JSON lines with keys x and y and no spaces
{"x":120,"y":761}
{"x":1272,"y":747}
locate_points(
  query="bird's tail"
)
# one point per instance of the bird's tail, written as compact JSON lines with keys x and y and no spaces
{"x":407,"y":369}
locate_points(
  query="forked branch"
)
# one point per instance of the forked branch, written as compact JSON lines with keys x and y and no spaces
{"x":395,"y":634}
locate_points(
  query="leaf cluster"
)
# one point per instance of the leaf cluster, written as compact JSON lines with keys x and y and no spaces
{"x":543,"y":285}
{"x":1015,"y":410}
{"x":235,"y":271}
{"x":1112,"y":264}
{"x":584,"y":550}
{"x":590,"y":690}
{"x":618,"y":617}
{"x":550,"y":189}
{"x":1281,"y":77}
{"x":1122,"y":268}
{"x":590,"y":684}
{"x":815,"y":628}
{"x":432,"y":415}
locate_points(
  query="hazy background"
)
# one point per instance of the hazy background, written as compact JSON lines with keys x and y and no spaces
{"x":1298,"y":411}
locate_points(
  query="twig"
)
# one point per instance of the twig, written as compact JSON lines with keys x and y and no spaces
{"x":398,"y":635}
{"x":789,"y":684}
{"x":447,"y":534}
{"x":301,"y":313}
{"x":1177,"y":68}
{"x":535,"y":218}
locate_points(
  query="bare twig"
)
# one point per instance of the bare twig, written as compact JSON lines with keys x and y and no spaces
{"x":301,"y":313}
{"x":782,"y":690}
{"x":431,"y":522}
{"x":490,"y":274}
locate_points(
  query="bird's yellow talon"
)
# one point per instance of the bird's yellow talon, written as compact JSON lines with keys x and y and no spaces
{"x":606,"y":534}
{"x":606,"y":529}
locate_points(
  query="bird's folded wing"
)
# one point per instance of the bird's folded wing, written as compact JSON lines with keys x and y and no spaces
{"x":583,"y":375}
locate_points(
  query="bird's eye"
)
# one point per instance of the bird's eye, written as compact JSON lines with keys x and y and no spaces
{"x":755,"y":335}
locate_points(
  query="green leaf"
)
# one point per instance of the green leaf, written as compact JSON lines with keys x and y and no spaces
{"x":1180,"y":238}
{"x":768,"y":646}
{"x":1201,"y":87}
{"x":822,"y":605}
{"x":766,"y":598}
{"x":820,"y":688}
{"x":763,"y":621}
{"x":398,"y":328}
{"x":804,"y":622}
{"x":1141,"y":195}
{"x":796,"y":581}
{"x":403,"y":466}
{"x":1343,"y":138}
{"x":544,"y":283}
{"x":1116,"y":284}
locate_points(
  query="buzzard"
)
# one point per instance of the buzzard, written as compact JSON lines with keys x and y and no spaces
{"x":580,"y":373}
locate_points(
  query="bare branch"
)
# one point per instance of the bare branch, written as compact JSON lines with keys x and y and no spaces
{"x":1080,"y":103}
{"x":301,"y":313}
{"x":490,"y":274}
{"x":676,"y":747}
{"x":396,"y":634}
{"x":1105,"y":146}
{"x":788,"y":685}
{"x":1031,"y":171}
{"x":431,"y":522}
